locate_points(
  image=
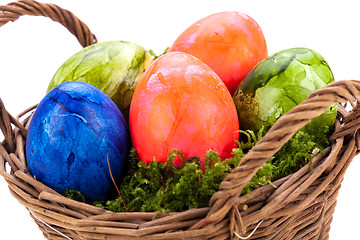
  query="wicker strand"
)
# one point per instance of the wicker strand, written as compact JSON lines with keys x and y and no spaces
{"x":37,"y":218}
{"x":12,"y":12}
{"x":252,"y":233}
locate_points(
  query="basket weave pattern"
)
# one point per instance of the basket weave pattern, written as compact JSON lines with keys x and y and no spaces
{"x":300,"y":208}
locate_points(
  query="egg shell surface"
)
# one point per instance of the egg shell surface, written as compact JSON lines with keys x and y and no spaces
{"x":230,"y":43}
{"x":114,"y":67}
{"x":180,"y":103}
{"x":279,"y":83}
{"x":71,"y":133}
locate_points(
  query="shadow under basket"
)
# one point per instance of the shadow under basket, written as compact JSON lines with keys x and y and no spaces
{"x":300,"y":208}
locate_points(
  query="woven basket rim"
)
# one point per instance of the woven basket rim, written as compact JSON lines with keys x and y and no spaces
{"x":22,"y":184}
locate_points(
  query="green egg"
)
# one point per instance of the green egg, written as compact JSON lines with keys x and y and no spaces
{"x":279,"y":83}
{"x":114,"y":67}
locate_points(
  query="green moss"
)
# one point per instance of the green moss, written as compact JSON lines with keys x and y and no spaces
{"x":74,"y":195}
{"x":159,"y":186}
{"x":162,"y":187}
{"x":155,"y":56}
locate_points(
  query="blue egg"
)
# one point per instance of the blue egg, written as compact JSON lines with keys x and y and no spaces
{"x":72,"y":132}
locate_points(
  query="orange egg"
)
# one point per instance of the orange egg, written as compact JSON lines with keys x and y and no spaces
{"x":231,"y":43}
{"x":180,"y":103}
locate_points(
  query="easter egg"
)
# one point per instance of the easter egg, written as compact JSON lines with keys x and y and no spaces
{"x":279,"y":83}
{"x":231,"y":43}
{"x":75,"y":137}
{"x":114,"y":67}
{"x":180,"y":103}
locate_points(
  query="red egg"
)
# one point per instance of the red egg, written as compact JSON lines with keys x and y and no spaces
{"x":231,"y":43}
{"x":180,"y":103}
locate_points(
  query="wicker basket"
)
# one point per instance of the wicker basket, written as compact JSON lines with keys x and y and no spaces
{"x":300,"y":208}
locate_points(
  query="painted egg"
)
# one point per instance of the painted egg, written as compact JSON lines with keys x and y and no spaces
{"x":279,"y":83}
{"x":180,"y":103}
{"x":75,"y":136}
{"x":114,"y":67}
{"x":231,"y":43}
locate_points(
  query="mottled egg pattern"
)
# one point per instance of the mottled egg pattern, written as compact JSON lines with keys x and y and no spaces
{"x":278,"y":84}
{"x":180,"y":103}
{"x":114,"y":67}
{"x":73,"y":130}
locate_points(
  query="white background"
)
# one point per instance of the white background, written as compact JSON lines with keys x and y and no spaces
{"x":32,"y":48}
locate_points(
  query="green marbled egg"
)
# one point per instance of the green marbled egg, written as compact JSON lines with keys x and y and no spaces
{"x":279,"y":83}
{"x":114,"y":67}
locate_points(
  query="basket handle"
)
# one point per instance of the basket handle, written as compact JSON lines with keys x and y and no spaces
{"x":284,"y":128}
{"x":12,"y":11}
